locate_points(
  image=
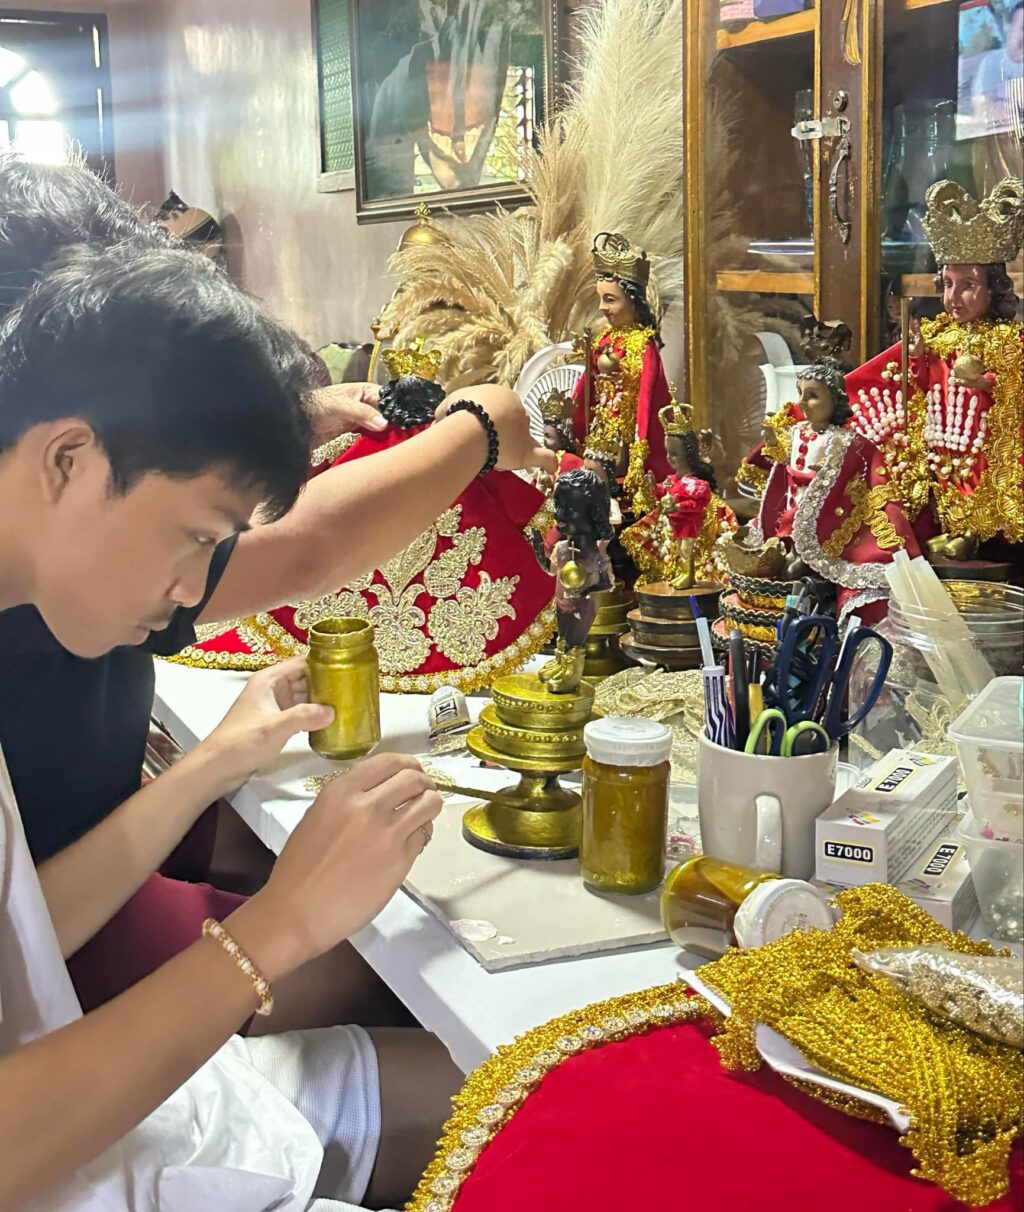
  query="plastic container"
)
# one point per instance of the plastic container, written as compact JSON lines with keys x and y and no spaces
{"x":625,"y":804}
{"x":989,"y":739}
{"x":912,"y":711}
{"x":997,"y":869}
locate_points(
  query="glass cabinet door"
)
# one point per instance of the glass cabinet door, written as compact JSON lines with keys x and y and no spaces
{"x":750,"y":241}
{"x":952,"y":93}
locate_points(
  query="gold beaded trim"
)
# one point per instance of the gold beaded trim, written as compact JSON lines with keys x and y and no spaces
{"x":283,"y":644}
{"x":498,"y":1088}
{"x":213,"y":929}
{"x":961,"y":1092}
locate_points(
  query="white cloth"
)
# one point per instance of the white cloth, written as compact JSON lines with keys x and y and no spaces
{"x":228,"y":1140}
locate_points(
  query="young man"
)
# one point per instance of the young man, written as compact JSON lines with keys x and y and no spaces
{"x":146,"y":409}
{"x":347,"y":521}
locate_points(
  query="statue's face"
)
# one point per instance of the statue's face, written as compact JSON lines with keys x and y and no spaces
{"x":675,"y":451}
{"x":816,"y":401}
{"x":965,"y":292}
{"x":614,"y":305}
{"x":552,"y":438}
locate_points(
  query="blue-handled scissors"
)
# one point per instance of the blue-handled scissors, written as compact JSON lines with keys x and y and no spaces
{"x":812,"y":675}
{"x":772,"y":733}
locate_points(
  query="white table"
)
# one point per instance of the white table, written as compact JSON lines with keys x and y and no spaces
{"x":472,"y":1011}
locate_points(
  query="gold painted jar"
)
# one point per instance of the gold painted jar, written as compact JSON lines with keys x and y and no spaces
{"x":342,"y":665}
{"x":625,"y":804}
{"x":700,"y":900}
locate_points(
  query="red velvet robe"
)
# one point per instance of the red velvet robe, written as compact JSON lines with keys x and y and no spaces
{"x":462,"y":604}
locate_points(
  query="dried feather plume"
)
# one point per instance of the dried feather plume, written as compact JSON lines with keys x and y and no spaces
{"x":508,"y":283}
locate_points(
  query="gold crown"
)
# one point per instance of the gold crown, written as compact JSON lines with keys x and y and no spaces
{"x":615,"y":257}
{"x":676,"y":418}
{"x":556,"y":406}
{"x":412,"y":361}
{"x":962,"y":231}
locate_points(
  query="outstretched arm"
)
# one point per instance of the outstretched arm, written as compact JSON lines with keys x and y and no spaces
{"x":356,"y":516}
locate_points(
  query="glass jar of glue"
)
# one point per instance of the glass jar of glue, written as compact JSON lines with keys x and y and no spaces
{"x":625,"y":804}
{"x":709,"y":905}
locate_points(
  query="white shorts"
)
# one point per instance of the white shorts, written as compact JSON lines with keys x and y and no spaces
{"x":330,"y":1075}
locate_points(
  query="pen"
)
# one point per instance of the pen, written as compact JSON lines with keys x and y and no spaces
{"x":718,"y":724}
{"x":740,"y":687}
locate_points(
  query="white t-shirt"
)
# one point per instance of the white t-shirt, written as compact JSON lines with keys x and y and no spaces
{"x":226,"y":1141}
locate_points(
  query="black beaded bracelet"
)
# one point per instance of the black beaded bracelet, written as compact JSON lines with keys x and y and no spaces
{"x":492,"y":434}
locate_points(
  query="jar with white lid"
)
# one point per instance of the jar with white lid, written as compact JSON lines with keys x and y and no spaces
{"x":625,"y":804}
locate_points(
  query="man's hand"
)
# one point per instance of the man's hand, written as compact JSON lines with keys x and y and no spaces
{"x":343,"y":408}
{"x":517,"y":449}
{"x":343,"y":862}
{"x":271,"y":709}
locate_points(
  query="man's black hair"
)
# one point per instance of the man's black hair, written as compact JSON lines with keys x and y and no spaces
{"x":46,"y":208}
{"x":176,"y":370}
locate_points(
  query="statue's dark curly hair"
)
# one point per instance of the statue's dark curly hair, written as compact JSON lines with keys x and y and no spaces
{"x":1003,"y":305}
{"x":832,"y":377}
{"x":638,"y":298}
{"x":698,"y":466}
{"x":582,"y":486}
{"x":410,"y":401}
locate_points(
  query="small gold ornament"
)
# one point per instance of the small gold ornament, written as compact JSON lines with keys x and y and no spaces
{"x":968,"y":368}
{"x":572,"y":576}
{"x":413,"y":360}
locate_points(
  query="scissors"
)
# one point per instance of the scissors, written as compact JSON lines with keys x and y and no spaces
{"x":816,"y":691}
{"x":772,"y":729}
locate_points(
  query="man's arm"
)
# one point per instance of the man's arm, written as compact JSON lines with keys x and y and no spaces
{"x":86,"y":883}
{"x":357,"y":516}
{"x":71,"y":1094}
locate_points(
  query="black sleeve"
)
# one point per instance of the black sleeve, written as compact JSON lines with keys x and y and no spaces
{"x":181,"y":630}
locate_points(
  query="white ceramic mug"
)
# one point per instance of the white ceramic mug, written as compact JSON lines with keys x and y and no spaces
{"x":760,"y":811}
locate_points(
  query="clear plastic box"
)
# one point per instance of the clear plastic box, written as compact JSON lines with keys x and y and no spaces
{"x":997,"y":869}
{"x":989,"y":738}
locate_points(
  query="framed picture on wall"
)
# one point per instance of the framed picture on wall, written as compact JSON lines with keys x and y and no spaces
{"x":332,"y":46}
{"x":446,"y":96}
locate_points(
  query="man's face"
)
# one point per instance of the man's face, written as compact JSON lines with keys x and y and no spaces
{"x":109,"y":569}
{"x":965,"y":292}
{"x":615,"y":306}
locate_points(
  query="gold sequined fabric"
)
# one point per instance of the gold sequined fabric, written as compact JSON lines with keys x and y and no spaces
{"x":962,"y":1093}
{"x":996,"y":504}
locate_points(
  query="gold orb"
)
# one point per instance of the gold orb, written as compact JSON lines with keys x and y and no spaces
{"x":572,"y":575}
{"x":424,"y":231}
{"x":968,"y":367}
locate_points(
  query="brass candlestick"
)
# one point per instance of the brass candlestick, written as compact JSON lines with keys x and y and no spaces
{"x":539,"y":735}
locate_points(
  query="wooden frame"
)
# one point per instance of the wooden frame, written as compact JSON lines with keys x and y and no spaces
{"x":375,"y":205}
{"x":329,"y":180}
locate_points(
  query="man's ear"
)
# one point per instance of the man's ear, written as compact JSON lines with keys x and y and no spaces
{"x":69,"y":449}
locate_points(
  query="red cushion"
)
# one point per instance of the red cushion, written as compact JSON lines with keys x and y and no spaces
{"x":654,"y":1123}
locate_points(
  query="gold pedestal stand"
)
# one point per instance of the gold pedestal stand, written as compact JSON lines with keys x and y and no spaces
{"x":539,"y":735}
{"x":604,"y":656}
{"x":663,"y":630}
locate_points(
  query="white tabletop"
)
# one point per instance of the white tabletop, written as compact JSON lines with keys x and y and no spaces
{"x":472,"y":1011}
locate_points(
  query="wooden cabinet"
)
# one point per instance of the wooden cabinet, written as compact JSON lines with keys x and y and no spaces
{"x":778,"y":226}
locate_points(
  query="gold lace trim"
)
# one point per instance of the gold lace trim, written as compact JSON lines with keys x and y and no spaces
{"x":610,"y":434}
{"x":498,"y":1088}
